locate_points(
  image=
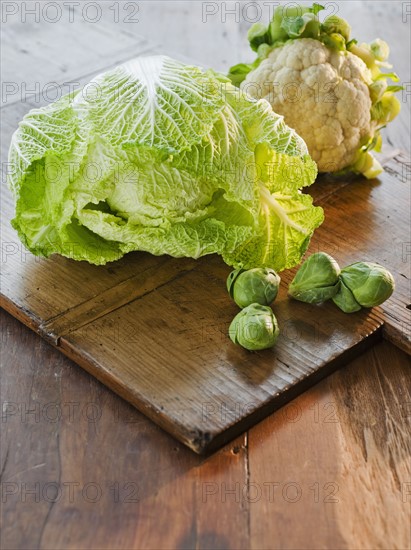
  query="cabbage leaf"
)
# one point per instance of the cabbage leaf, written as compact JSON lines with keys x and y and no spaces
{"x":160,"y":156}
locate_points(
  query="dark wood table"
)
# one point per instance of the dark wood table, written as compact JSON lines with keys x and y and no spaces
{"x":80,"y":468}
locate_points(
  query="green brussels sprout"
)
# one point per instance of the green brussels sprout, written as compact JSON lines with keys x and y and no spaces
{"x":380,"y":49}
{"x":377,"y":90}
{"x":263,"y":51}
{"x":386,"y":109}
{"x":345,"y":300}
{"x":258,"y":34}
{"x":334,"y":41}
{"x":335,"y":24}
{"x":370,"y":285}
{"x":230,"y":280}
{"x":259,"y":285}
{"x":305,"y":25}
{"x":275,"y":28}
{"x":317,"y":280}
{"x":254,"y":328}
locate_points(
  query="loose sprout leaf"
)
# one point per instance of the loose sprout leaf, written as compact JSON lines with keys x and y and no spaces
{"x":258,"y":34}
{"x":395,"y":88}
{"x":350,"y":43}
{"x":393,"y":76}
{"x":316,"y":8}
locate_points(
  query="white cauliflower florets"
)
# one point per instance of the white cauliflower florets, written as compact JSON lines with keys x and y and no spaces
{"x":322,"y":93}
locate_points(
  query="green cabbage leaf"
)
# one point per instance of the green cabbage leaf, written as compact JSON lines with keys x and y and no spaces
{"x":164,"y":157}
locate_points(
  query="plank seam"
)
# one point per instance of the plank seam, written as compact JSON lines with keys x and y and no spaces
{"x":49,"y":329}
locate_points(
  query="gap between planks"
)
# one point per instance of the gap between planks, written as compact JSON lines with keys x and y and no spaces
{"x":113,"y":298}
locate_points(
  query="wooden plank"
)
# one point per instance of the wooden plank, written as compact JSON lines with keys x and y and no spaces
{"x":337,"y":460}
{"x":144,"y":282}
{"x":90,"y":420}
{"x":88,"y":311}
{"x":34,"y":284}
{"x":30,"y":72}
{"x":222,"y":516}
{"x":167,"y":353}
{"x":63,"y":428}
{"x":163,"y":319}
{"x":368,"y":221}
{"x":62,"y":436}
{"x":127,"y":447}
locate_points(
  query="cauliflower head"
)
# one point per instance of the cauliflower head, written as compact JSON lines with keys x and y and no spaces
{"x":322,"y":94}
{"x":329,"y":89}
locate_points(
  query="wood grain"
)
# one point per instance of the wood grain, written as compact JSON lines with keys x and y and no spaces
{"x":377,"y":214}
{"x":145,"y":319}
{"x":337,"y":479}
{"x":176,"y":333}
{"x":342,"y":448}
{"x":156,"y":331}
{"x":123,"y":446}
{"x":168,"y":354}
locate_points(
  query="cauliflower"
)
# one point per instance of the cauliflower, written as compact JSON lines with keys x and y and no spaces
{"x":323,"y":95}
{"x":329,"y":89}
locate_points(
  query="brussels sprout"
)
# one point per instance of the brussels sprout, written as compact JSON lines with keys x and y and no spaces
{"x":230,"y":280}
{"x":377,"y":90}
{"x":306,"y":25}
{"x":254,"y":328}
{"x":334,"y":41}
{"x":345,"y":300}
{"x":386,"y":109}
{"x":258,"y":34}
{"x":317,"y":280}
{"x":263,"y":51}
{"x":366,"y":164}
{"x":380,"y":49}
{"x":370,"y":284}
{"x":259,"y":285}
{"x":335,"y":24}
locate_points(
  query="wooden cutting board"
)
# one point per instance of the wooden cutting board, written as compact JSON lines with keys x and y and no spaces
{"x":154,"y":329}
